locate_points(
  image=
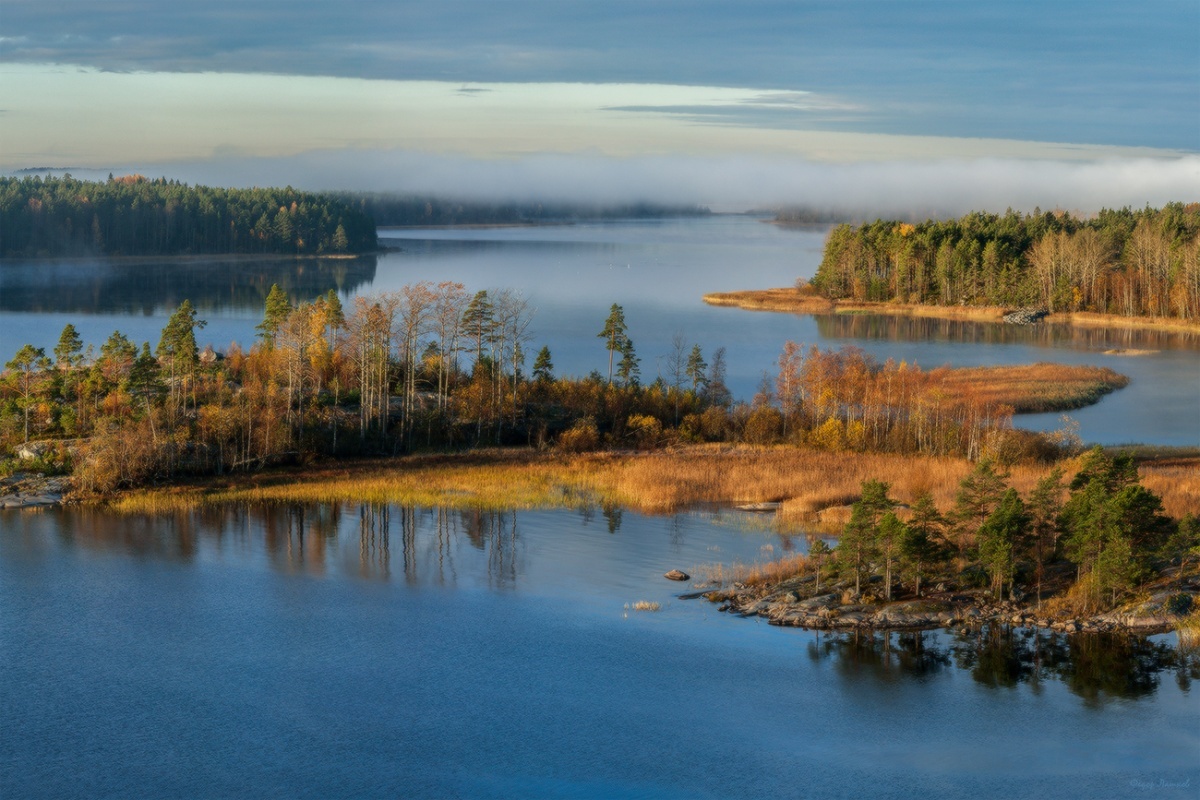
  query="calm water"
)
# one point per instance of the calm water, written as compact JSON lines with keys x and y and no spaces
{"x":388,"y":652}
{"x":657,"y":270}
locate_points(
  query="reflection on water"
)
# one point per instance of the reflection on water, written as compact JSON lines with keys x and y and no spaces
{"x":490,"y":550}
{"x":898,"y":328}
{"x":1097,"y":667}
{"x":140,"y":286}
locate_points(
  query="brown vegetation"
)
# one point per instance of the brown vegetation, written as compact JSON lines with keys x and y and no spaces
{"x":804,"y":300}
{"x":805,"y":480}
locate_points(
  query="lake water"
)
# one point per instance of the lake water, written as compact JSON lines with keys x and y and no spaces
{"x":658,"y":270}
{"x":389,"y":652}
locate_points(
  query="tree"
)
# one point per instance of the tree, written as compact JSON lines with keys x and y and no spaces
{"x":1183,"y":543}
{"x":177,"y":351}
{"x":543,"y":366}
{"x":1044,"y":506}
{"x":27,"y":363}
{"x":615,"y":335}
{"x":277,"y":309}
{"x":697,"y":368}
{"x":479,"y":323}
{"x":1112,"y":523}
{"x":889,"y":535}
{"x":68,"y":353}
{"x":1000,"y":538}
{"x":977,"y":496}
{"x":919,"y":548}
{"x":145,"y":382}
{"x":818,"y":550}
{"x":715,"y":389}
{"x":628,"y":370}
{"x":857,"y":545}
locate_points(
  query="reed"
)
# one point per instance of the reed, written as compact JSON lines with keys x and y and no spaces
{"x":1188,"y":629}
{"x":1033,"y":388}
{"x":809,"y":483}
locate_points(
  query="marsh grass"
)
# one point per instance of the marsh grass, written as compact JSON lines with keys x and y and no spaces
{"x":1034,"y":388}
{"x":812,"y":484}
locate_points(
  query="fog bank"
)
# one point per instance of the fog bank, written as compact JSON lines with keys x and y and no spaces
{"x":723,"y":183}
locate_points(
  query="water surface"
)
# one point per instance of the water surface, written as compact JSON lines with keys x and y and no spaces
{"x":386,"y":651}
{"x":658,"y":270}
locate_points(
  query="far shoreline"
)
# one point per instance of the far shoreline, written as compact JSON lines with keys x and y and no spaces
{"x":791,"y":300}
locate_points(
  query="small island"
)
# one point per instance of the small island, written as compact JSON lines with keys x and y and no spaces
{"x":942,"y":510}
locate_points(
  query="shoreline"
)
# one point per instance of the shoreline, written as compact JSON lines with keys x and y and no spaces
{"x":794,"y":301}
{"x":781,"y":605}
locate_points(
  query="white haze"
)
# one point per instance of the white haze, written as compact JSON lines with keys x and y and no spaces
{"x":725,"y":183}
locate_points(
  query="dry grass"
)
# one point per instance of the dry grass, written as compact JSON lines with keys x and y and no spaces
{"x":808,"y":482}
{"x":1033,"y":388}
{"x":789,"y":300}
{"x":1176,"y":481}
{"x":1188,"y":629}
{"x":792,"y":300}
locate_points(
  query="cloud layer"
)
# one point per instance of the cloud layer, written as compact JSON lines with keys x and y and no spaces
{"x":735,"y":183}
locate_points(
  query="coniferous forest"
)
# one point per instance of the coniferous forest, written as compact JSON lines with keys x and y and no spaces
{"x":1129,"y":263}
{"x":132,"y":215}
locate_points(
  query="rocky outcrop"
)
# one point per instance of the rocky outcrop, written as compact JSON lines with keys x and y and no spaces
{"x":785,"y":605}
{"x":677,"y":575}
{"x":1025,"y":316}
{"x":32,"y":491}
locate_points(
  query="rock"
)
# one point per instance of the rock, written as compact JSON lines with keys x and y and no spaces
{"x":1025,"y":316}
{"x":677,"y":575}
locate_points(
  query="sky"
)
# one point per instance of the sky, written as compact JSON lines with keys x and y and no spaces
{"x":832,"y":103}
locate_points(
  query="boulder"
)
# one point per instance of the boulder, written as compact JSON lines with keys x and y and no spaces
{"x":677,"y":575}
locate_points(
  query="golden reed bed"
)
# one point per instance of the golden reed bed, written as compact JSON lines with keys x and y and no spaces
{"x":808,"y":483}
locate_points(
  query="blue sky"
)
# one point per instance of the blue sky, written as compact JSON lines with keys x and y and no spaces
{"x":489,"y":93}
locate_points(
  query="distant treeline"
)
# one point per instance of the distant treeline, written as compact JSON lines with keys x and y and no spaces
{"x":132,"y":215}
{"x":1132,"y":263}
{"x":391,"y":209}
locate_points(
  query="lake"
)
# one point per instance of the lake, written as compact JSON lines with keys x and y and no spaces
{"x":657,"y":270}
{"x":350,"y":651}
{"x":354,"y":651}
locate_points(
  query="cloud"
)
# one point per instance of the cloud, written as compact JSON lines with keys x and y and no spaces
{"x":1118,"y":74}
{"x":733,"y":183}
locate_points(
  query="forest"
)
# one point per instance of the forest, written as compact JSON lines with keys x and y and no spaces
{"x":134,"y":216}
{"x":436,"y":367}
{"x":1123,"y":262}
{"x":417,"y":211}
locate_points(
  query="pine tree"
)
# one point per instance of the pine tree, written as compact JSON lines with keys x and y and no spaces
{"x":615,"y":335}
{"x":543,"y":367}
{"x":697,"y":369}
{"x":1001,"y":537}
{"x":68,"y":351}
{"x":278,"y":307}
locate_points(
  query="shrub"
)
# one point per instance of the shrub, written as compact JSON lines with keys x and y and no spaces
{"x":580,"y":437}
{"x":645,"y":431}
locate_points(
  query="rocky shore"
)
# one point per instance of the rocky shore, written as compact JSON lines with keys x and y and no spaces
{"x":792,"y":604}
{"x":24,"y":490}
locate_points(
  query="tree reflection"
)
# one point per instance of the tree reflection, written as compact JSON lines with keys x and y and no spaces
{"x":1095,"y":667}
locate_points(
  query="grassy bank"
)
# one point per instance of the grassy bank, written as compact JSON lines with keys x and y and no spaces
{"x":798,"y":301}
{"x":812,"y":486}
